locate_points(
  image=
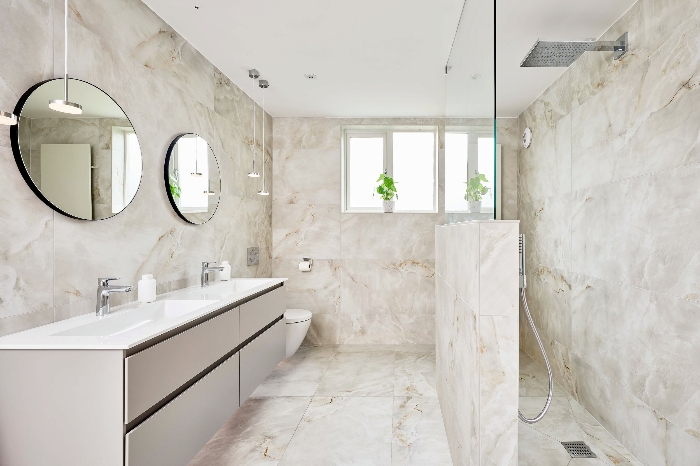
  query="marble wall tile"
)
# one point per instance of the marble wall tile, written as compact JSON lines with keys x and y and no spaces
{"x":318,"y":291}
{"x":546,"y":224}
{"x":498,"y":269}
{"x":306,"y":230}
{"x":390,"y":329}
{"x":324,"y":330}
{"x":307,"y":176}
{"x":388,"y":287}
{"x":126,"y":50}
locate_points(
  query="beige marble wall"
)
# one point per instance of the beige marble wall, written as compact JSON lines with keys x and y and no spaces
{"x":49,"y":263}
{"x":476,"y":304}
{"x":373,"y":275}
{"x":610,"y":205}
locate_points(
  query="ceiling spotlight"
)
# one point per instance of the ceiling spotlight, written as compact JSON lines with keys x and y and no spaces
{"x":8,"y":119}
{"x":476,"y":76}
{"x":310,"y":76}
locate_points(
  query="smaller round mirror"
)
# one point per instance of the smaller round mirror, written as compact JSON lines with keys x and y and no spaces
{"x":192,"y":178}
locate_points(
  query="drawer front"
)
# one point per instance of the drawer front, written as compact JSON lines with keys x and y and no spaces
{"x":258,"y":313}
{"x":155,"y":372}
{"x":260,"y":357}
{"x":175,"y":434}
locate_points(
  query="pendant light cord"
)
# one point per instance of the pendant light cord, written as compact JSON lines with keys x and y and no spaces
{"x":263,"y":138}
{"x":65,"y":51}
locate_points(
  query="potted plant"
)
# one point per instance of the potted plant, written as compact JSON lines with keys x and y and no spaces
{"x":475,"y":191}
{"x":387,"y":191}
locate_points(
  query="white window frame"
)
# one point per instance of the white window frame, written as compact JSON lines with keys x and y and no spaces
{"x":473,"y":161}
{"x":387,"y":133}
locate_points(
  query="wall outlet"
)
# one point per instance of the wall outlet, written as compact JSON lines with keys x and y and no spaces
{"x":253,"y":256}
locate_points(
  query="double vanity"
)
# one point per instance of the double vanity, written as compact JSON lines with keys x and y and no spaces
{"x":147,"y":385}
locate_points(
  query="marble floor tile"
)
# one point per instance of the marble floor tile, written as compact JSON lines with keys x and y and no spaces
{"x":300,"y":374}
{"x":537,"y":449}
{"x":367,"y":348}
{"x":366,"y":373}
{"x":558,"y":423}
{"x":419,"y":436}
{"x":257,"y":434}
{"x":414,"y":374}
{"x":343,"y":431}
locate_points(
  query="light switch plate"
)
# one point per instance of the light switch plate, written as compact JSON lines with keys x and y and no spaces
{"x":253,"y":256}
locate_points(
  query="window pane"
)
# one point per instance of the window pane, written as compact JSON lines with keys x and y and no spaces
{"x":365,"y":164}
{"x":414,"y":170}
{"x":456,"y":171}
{"x":486,"y":166}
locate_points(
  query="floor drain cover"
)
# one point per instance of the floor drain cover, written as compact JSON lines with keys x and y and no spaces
{"x":578,"y":450}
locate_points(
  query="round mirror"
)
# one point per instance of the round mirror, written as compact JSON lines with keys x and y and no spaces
{"x":86,"y":166}
{"x":192,"y":178}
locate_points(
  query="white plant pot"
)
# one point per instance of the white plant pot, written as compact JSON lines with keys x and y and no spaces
{"x":389,"y":207}
{"x":474,"y":207}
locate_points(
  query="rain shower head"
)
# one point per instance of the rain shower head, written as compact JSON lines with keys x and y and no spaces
{"x":563,"y":54}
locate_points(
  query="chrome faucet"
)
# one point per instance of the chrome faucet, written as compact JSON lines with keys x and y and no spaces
{"x":205,"y":272}
{"x":104,"y":290}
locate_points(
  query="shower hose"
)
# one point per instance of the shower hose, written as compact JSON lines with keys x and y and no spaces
{"x":546,"y":361}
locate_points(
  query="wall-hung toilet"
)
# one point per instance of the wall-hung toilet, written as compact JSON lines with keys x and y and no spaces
{"x":298,"y":322}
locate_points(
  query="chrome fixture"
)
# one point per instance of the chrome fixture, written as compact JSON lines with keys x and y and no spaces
{"x":254,"y":74}
{"x":65,"y":106}
{"x":205,"y":272}
{"x":563,"y":54}
{"x":9,"y":119}
{"x":104,"y":290}
{"x":196,"y":159}
{"x":310,"y":76}
{"x":523,"y":285}
{"x":263,"y":85}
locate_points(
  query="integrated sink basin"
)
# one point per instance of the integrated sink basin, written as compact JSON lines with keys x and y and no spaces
{"x":233,"y":286}
{"x":122,"y":323}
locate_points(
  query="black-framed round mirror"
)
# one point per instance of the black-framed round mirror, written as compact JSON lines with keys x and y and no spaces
{"x":86,"y":166}
{"x":192,"y":178}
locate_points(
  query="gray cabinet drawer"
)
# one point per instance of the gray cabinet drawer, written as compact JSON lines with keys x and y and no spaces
{"x":175,"y":434}
{"x":260,"y":357}
{"x":258,"y":313}
{"x":155,"y":372}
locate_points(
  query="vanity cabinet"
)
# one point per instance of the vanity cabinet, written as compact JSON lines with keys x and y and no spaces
{"x":154,"y":404}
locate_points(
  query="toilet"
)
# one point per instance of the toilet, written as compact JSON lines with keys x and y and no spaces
{"x":298,"y":322}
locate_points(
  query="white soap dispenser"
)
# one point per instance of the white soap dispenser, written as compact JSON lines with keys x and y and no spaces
{"x":225,"y":275}
{"x":147,"y":289}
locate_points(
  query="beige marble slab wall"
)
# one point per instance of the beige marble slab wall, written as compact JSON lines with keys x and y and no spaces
{"x":477,"y":340}
{"x":609,"y":202}
{"x":373,"y":275}
{"x":49,"y":263}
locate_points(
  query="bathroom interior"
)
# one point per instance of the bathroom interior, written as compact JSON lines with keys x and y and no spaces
{"x":320,"y":233}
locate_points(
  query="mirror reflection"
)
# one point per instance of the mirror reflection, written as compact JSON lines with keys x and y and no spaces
{"x":86,"y":166}
{"x":192,"y":178}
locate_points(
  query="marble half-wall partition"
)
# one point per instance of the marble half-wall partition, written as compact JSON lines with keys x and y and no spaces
{"x":476,"y":302}
{"x":49,"y":263}
{"x":373,"y":278}
{"x":609,"y":203}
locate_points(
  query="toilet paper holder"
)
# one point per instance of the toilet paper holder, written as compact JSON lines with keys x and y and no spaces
{"x":305,"y":264}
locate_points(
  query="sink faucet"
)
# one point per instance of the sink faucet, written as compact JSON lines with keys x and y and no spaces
{"x":104,"y":290}
{"x":205,"y":272}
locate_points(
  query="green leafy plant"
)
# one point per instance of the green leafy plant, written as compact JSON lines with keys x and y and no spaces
{"x":386,"y":188}
{"x":175,"y":189}
{"x":475,"y":189}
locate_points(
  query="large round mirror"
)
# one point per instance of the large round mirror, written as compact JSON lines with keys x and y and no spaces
{"x":86,"y":166}
{"x":192,"y":178}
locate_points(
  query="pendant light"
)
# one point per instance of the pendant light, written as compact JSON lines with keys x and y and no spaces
{"x":263,"y":85}
{"x":196,"y":158}
{"x":8,"y":119}
{"x":209,"y":191}
{"x":65,"y":106}
{"x":255,"y":75}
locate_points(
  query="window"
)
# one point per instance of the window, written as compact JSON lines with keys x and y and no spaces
{"x":126,"y":167}
{"x":407,"y":154}
{"x":466,"y":154}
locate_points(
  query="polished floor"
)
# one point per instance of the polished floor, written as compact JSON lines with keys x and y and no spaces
{"x":377,"y":405}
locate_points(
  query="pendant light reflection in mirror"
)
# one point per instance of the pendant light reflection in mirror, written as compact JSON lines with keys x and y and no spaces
{"x":64,"y":105}
{"x":263,"y":85}
{"x":254,"y":74}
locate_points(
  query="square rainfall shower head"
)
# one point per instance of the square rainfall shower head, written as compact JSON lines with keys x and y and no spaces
{"x":563,"y":54}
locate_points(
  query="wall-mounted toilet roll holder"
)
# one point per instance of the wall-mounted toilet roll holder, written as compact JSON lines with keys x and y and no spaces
{"x":305,"y":264}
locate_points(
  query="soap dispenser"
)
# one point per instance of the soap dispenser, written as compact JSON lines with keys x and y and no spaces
{"x":225,"y":275}
{"x":147,"y":289}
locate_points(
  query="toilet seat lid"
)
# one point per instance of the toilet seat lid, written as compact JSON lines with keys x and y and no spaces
{"x":293,"y":316}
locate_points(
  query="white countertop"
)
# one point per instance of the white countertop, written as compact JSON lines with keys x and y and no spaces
{"x":218,"y":295}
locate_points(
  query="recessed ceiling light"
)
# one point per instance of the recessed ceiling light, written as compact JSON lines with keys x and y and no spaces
{"x":310,"y":76}
{"x":476,"y":76}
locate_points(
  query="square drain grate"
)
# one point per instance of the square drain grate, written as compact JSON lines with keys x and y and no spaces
{"x":578,"y":450}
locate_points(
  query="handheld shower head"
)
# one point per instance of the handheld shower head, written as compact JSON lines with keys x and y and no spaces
{"x":521,"y":250}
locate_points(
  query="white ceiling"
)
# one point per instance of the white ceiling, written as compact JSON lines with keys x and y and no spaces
{"x":383,"y":58}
